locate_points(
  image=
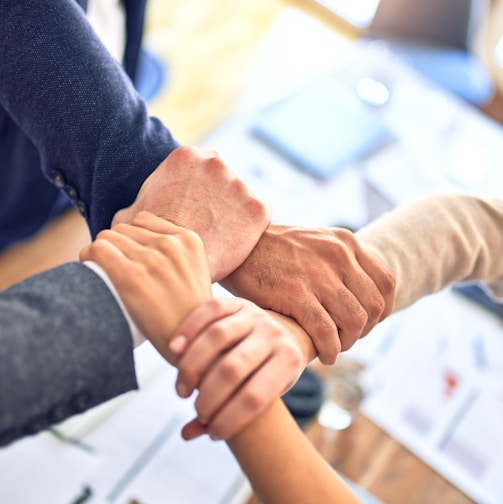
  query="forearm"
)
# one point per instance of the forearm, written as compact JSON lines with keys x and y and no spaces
{"x":436,"y":241}
{"x":280,"y":462}
{"x":283,"y":466}
{"x":77,"y":105}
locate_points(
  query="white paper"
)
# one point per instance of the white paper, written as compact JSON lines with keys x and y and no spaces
{"x":437,"y":386}
{"x":135,"y":452}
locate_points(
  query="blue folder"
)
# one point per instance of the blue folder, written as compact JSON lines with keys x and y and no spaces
{"x":322,"y":128}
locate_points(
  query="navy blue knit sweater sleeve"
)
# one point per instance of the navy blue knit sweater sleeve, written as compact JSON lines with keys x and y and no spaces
{"x":77,"y":105}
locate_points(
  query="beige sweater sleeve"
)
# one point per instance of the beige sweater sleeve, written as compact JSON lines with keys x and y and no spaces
{"x":439,"y":240}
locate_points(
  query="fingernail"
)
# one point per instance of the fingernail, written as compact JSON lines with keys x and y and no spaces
{"x":182,"y":389}
{"x":215,"y":437}
{"x":178,"y":343}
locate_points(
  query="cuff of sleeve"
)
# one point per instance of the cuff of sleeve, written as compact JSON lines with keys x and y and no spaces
{"x":136,"y":335}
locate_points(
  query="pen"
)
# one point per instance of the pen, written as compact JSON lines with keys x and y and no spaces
{"x":84,"y":496}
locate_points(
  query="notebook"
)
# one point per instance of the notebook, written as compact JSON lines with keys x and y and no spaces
{"x":322,"y":128}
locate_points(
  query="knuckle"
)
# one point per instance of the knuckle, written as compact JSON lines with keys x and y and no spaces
{"x":141,"y":217}
{"x":376,"y":308}
{"x":231,"y":368}
{"x":202,"y":407}
{"x":294,"y":357}
{"x":220,"y":305}
{"x":183,"y":151}
{"x":189,"y":374}
{"x":389,"y":283}
{"x":218,"y":335}
{"x":258,"y":209}
{"x":344,"y":241}
{"x":297,"y":284}
{"x":346,"y":235}
{"x":104,"y":234}
{"x":329,"y":348}
{"x":253,"y":400}
{"x":216,"y":165}
{"x":152,"y":266}
{"x":189,"y":236}
{"x":98,"y":245}
{"x":314,"y":322}
{"x":358,"y":320}
{"x":122,"y":227}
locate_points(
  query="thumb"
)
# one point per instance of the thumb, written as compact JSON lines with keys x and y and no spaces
{"x":123,"y":216}
{"x":85,"y":254}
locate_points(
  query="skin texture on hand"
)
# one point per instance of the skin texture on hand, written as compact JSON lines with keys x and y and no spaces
{"x":322,"y":278}
{"x":240,"y":358}
{"x":159,"y":270}
{"x":194,"y":188}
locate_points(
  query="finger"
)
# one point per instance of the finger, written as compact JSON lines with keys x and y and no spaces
{"x":201,"y":317}
{"x":151,"y":222}
{"x":382,"y":278}
{"x":129,"y":246}
{"x":347,"y":312}
{"x":230,"y":373}
{"x":108,"y":256}
{"x":201,"y":355}
{"x":194,"y":429}
{"x":321,"y":327}
{"x":248,"y":403}
{"x":367,"y":281}
{"x":147,"y":237}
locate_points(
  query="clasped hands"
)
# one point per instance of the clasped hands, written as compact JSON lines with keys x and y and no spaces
{"x":324,"y":290}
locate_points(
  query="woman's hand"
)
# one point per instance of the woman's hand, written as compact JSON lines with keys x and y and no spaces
{"x":159,"y":270}
{"x":240,"y":359}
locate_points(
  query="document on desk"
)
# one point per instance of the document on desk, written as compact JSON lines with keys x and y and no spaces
{"x":438,"y":388}
{"x":144,"y":458}
{"x":135,"y":455}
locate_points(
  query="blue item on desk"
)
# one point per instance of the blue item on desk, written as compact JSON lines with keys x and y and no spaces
{"x":475,"y":292}
{"x":151,"y":75}
{"x":322,"y":128}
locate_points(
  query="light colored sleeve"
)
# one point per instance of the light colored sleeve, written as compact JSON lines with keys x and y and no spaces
{"x":136,"y":335}
{"x":439,"y":240}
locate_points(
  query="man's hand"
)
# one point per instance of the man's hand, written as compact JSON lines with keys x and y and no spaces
{"x":240,"y":358}
{"x":320,"y":277}
{"x":194,"y":188}
{"x":159,"y":270}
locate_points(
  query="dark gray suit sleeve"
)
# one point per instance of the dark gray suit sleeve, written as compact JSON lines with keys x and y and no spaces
{"x":64,"y":348}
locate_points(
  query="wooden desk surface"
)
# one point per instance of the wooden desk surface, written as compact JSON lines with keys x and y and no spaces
{"x":208,"y":47}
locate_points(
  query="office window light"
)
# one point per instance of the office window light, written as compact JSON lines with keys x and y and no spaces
{"x":357,"y":12}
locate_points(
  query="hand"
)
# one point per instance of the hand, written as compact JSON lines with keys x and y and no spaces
{"x":320,"y":277}
{"x":195,"y":189}
{"x":159,"y":270}
{"x":240,"y":358}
